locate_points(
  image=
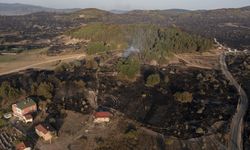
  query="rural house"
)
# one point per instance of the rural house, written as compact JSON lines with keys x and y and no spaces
{"x":24,"y":109}
{"x":22,"y":146}
{"x":102,"y":117}
{"x":44,"y":131}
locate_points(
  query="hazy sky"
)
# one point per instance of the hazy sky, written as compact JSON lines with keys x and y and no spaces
{"x":135,"y":4}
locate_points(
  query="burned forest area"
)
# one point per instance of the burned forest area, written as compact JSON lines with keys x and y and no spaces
{"x":134,"y":80}
{"x":153,"y":107}
{"x":239,"y":65}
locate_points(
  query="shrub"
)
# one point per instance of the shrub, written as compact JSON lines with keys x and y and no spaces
{"x":2,"y":122}
{"x":91,"y":64}
{"x":7,"y":91}
{"x":45,"y":90}
{"x":96,"y":47}
{"x":153,"y":80}
{"x":169,"y":141}
{"x":128,"y":68}
{"x":184,"y":97}
{"x":62,"y":67}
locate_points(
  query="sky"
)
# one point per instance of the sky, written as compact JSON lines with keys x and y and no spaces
{"x":136,"y":4}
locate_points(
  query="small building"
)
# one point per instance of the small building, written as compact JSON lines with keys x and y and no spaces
{"x":102,"y":117}
{"x":22,"y":146}
{"x":45,"y":131}
{"x":24,"y":109}
{"x":28,"y":118}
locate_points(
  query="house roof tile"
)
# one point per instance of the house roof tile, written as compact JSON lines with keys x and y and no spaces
{"x":102,"y":114}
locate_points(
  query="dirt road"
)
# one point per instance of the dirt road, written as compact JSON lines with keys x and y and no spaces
{"x":61,"y":58}
{"x":236,"y":142}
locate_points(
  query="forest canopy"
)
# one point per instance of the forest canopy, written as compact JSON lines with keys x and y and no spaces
{"x":154,"y":42}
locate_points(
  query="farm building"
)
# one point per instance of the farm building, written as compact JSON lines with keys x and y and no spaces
{"x":24,"y":109}
{"x":102,"y":117}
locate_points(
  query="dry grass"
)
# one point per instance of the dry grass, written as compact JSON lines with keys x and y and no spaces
{"x":33,"y":59}
{"x":206,"y":60}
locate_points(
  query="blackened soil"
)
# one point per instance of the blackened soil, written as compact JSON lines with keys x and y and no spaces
{"x":239,"y":66}
{"x":157,"y":108}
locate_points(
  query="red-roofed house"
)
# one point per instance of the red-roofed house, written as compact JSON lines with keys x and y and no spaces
{"x":44,"y":131}
{"x":23,"y":109}
{"x":22,"y":146}
{"x":101,"y":117}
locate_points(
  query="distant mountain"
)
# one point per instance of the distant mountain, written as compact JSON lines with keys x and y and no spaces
{"x":23,"y":9}
{"x":246,"y":8}
{"x":230,"y":26}
{"x":159,"y":12}
{"x":118,"y":11}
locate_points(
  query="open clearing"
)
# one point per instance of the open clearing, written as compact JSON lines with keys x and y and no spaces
{"x":33,"y":59}
{"x":206,"y":60}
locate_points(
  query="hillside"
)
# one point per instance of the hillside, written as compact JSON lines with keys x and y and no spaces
{"x":153,"y":42}
{"x":229,"y":26}
{"x":24,"y":9}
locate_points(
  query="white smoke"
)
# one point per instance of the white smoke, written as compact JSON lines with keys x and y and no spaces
{"x":130,"y":50}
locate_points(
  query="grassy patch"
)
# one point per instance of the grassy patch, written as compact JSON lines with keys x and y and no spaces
{"x":7,"y":58}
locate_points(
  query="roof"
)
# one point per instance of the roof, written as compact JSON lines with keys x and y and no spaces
{"x":20,"y":146}
{"x":42,"y":129}
{"x":26,"y":103}
{"x":102,"y":114}
{"x":27,"y":117}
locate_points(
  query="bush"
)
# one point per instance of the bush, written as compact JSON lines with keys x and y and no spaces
{"x":169,"y":141}
{"x":45,"y":90}
{"x":96,"y":47}
{"x":2,"y":122}
{"x":128,"y":68}
{"x":184,"y":97}
{"x":62,"y":67}
{"x":8,"y":92}
{"x":153,"y":80}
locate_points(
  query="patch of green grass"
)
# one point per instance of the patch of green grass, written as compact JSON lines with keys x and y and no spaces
{"x":7,"y":58}
{"x":96,"y":47}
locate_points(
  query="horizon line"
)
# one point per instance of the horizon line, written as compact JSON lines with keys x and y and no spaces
{"x":115,"y":9}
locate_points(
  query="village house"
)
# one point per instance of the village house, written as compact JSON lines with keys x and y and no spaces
{"x":22,"y":146}
{"x":102,"y":117}
{"x":24,"y":109}
{"x":45,"y":131}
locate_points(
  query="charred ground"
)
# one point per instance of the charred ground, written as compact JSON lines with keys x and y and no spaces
{"x":154,"y":107}
{"x":239,"y":65}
